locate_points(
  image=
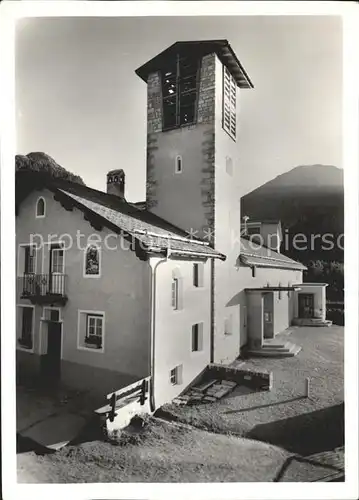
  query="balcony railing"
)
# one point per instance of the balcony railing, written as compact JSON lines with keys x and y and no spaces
{"x":44,"y":288}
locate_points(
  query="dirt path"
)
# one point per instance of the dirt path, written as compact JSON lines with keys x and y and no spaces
{"x":162,"y":453}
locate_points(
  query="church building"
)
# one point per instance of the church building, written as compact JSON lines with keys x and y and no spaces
{"x":157,"y":290}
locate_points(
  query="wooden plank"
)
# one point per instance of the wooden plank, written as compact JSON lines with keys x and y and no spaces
{"x":205,"y":385}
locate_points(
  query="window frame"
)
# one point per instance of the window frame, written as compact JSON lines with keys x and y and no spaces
{"x":176,"y":376}
{"x":41,"y":216}
{"x":227,"y":102}
{"x":198,"y":276}
{"x":83,"y":318}
{"x":54,"y":251}
{"x":198,"y":328}
{"x":99,"y":253}
{"x":178,"y":94}
{"x":21,"y":259}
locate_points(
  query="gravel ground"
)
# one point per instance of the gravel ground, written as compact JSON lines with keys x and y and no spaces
{"x":162,"y":452}
{"x":283,"y":416}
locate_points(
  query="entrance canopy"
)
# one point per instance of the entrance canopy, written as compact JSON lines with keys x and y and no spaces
{"x":264,"y":289}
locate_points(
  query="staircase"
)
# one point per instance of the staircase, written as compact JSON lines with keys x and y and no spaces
{"x":273,"y":349}
{"x":311,"y":322}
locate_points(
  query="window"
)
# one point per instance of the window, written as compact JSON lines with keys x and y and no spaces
{"x":179,"y":92}
{"x":30,"y":259}
{"x":50,"y":314}
{"x":175,"y":293}
{"x":175,"y":375}
{"x":280,"y":292}
{"x":229,"y":103}
{"x":178,"y":166}
{"x":198,"y":272}
{"x":229,"y":165}
{"x":40,"y":208}
{"x":91,"y":330}
{"x":93,"y":336}
{"x":254,"y":271}
{"x":244,"y":316}
{"x":26,"y":315}
{"x":57,"y":260}
{"x":92,"y":262}
{"x":197,"y":337}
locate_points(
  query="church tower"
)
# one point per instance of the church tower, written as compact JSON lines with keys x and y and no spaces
{"x":193,"y":176}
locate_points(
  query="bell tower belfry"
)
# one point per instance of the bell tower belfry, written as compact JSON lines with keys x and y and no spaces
{"x":193,"y":176}
{"x":192,"y":94}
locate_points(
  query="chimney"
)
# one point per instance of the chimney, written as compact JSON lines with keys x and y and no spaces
{"x":116,"y":183}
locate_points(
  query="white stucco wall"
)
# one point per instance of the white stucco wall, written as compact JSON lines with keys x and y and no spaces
{"x":173,"y":328}
{"x":122,"y":292}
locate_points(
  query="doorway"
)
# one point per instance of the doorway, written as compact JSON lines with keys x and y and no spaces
{"x":268,"y":315}
{"x":306,"y":305}
{"x":51,"y":367}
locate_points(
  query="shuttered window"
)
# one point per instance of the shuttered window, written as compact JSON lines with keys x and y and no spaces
{"x":229,"y":103}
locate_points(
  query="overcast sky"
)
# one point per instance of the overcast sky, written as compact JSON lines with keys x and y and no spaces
{"x":80,"y":101}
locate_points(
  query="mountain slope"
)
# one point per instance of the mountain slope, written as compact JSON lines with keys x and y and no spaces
{"x":42,"y":162}
{"x":309,"y":200}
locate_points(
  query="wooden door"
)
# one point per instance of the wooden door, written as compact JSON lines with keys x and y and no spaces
{"x":52,"y":361}
{"x":268,"y":315}
{"x":306,"y":305}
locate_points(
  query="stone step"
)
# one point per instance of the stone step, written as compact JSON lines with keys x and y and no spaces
{"x":269,"y":345}
{"x":312,"y":322}
{"x":276,"y":353}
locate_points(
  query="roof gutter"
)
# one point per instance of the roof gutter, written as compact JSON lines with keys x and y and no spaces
{"x":272,"y":262}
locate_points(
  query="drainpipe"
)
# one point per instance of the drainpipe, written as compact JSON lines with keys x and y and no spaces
{"x":153,"y":325}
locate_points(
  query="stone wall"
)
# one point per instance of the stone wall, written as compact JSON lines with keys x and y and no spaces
{"x":154,"y":103}
{"x":205,"y":109}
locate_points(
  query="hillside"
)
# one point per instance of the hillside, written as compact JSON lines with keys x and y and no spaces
{"x":42,"y":162}
{"x":308,"y":199}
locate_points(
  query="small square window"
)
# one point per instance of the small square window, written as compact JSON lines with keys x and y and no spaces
{"x":175,"y":375}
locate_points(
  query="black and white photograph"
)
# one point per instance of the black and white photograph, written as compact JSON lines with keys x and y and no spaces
{"x":173,"y":284}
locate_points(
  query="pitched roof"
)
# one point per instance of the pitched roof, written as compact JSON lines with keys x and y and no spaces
{"x":200,"y":48}
{"x":151,"y":231}
{"x":153,"y":236}
{"x":261,"y":256}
